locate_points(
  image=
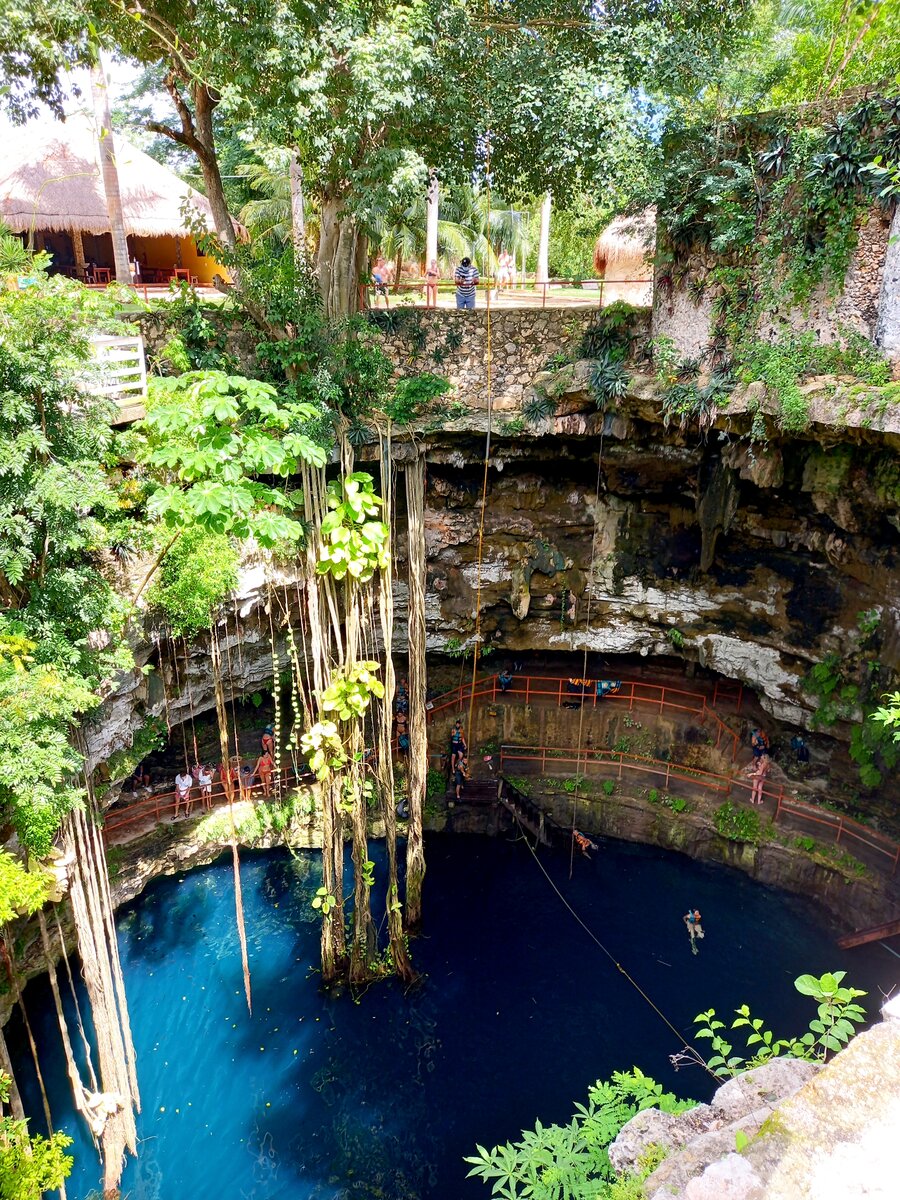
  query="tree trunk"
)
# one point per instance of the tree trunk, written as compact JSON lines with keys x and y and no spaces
{"x":122,"y":266}
{"x":341,"y":259}
{"x":298,"y":211}
{"x":418,"y":735}
{"x":15,"y":1098}
{"x":543,"y":260}
{"x":431,"y":219}
{"x":204,"y":106}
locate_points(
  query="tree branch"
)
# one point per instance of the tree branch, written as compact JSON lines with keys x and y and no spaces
{"x":166,"y":131}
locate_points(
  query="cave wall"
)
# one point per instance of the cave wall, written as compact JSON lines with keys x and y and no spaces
{"x":684,"y":302}
{"x":762,"y":568}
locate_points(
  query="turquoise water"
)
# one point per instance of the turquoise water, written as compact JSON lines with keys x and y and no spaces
{"x":318,"y":1097}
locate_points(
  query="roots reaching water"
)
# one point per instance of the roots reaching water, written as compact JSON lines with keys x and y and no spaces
{"x":418,"y":737}
{"x":113,"y":1119}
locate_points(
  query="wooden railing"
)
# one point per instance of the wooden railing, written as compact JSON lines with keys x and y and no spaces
{"x":873,"y":848}
{"x":633,"y":694}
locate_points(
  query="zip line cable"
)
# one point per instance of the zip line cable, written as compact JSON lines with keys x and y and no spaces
{"x":612,"y":958}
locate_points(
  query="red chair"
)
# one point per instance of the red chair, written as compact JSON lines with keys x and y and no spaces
{"x":102,"y":275}
{"x":179,"y":273}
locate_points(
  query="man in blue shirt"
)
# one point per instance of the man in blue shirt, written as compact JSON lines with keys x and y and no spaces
{"x":466,"y":278}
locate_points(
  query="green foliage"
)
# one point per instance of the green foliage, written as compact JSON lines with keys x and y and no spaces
{"x":211,"y":436}
{"x":61,"y":515}
{"x":837,"y":1016}
{"x":198,"y":339}
{"x":30,"y":1166}
{"x":21,"y":892}
{"x":844,"y":687}
{"x":566,"y":1162}
{"x":414,"y":396}
{"x":832,"y":856}
{"x":521,"y":783}
{"x":889,"y":715}
{"x":197,"y":575}
{"x":779,"y":205}
{"x":16,"y":258}
{"x":324,"y":749}
{"x":324,"y":901}
{"x":608,"y":786}
{"x":676,"y":637}
{"x":783,"y":365}
{"x":435,"y":783}
{"x":739,"y":824}
{"x":352,"y":542}
{"x":38,"y":703}
{"x":350,"y":691}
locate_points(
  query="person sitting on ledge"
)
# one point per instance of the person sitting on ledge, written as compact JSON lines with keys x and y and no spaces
{"x":505,"y":680}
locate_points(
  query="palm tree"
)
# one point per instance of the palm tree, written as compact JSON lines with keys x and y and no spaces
{"x":271,"y":216}
{"x":472,"y":224}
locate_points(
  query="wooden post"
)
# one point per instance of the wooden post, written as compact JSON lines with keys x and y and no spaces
{"x":78,"y":251}
{"x":543,"y":259}
{"x":431,"y":218}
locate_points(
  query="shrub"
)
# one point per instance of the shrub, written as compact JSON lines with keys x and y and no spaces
{"x":738,"y":824}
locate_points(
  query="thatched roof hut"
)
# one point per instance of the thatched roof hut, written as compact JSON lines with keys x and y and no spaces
{"x":50,"y":179}
{"x":622,"y":248}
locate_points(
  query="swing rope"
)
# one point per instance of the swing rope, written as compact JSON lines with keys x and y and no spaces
{"x":612,"y":958}
{"x":587,"y":635}
{"x":489,"y":362}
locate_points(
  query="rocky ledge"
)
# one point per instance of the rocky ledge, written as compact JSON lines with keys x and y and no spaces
{"x":806,"y":1131}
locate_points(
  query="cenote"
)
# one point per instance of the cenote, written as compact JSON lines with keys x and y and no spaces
{"x":322,"y":1095}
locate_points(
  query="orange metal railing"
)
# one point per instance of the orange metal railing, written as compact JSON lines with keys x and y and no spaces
{"x":633,"y":693}
{"x":161,"y":804}
{"x":873,"y":848}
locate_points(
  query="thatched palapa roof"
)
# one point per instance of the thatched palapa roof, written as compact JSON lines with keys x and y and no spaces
{"x":50,"y":179}
{"x":626,"y":239}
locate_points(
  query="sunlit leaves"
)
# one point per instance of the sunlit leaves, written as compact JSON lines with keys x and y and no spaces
{"x":221,"y":436}
{"x":351,"y":690}
{"x":324,"y":749}
{"x":351,"y":542}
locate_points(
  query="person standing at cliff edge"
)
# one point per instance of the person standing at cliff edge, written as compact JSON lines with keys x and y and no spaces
{"x":466,"y":278}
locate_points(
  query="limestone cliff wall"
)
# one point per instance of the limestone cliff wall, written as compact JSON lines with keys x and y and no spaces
{"x":808,"y":1132}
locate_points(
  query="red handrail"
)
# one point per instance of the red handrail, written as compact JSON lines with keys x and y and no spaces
{"x":632,"y":692}
{"x":160,"y":804}
{"x":839,"y":825}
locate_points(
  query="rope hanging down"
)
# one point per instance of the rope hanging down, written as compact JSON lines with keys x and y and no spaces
{"x":489,"y":359}
{"x":697,"y":1056}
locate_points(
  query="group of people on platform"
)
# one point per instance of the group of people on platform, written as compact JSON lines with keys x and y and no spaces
{"x":758,"y":769}
{"x":197,"y":782}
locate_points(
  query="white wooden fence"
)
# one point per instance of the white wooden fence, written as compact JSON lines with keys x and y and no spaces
{"x":121,"y":370}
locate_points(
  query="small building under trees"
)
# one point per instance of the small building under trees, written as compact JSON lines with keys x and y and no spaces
{"x":51,"y":193}
{"x":622,"y":257}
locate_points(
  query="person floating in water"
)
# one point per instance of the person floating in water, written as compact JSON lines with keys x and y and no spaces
{"x":695,"y":929}
{"x":584,"y":843}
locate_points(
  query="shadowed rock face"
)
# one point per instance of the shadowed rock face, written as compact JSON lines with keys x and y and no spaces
{"x":762,"y":564}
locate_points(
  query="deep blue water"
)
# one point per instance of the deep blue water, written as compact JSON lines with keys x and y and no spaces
{"x":319,"y":1096}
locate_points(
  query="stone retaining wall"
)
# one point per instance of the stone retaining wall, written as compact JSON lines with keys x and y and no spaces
{"x":455,"y":344}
